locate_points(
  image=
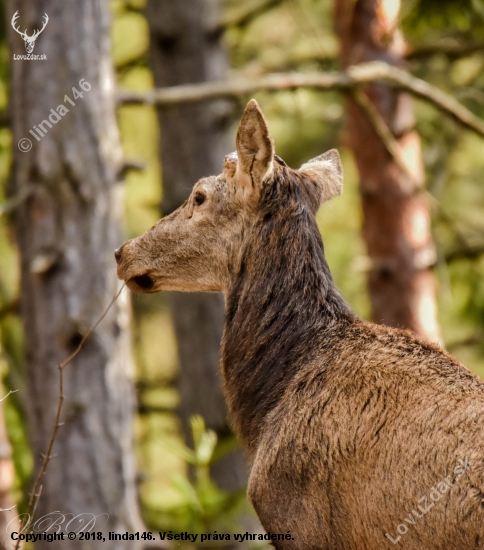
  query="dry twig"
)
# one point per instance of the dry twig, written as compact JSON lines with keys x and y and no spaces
{"x":37,"y":487}
{"x":5,"y":397}
{"x":342,"y":80}
{"x":385,"y":134}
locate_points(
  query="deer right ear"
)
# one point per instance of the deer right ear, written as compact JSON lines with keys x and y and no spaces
{"x":326,"y":171}
{"x":255,"y":148}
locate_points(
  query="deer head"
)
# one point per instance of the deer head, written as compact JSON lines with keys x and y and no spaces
{"x":29,"y":40}
{"x":198,"y":247}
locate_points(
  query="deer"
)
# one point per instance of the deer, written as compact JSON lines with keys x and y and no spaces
{"x":29,"y":40}
{"x":358,"y":436}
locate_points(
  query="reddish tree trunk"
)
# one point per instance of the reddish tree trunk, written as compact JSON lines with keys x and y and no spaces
{"x":396,"y":220}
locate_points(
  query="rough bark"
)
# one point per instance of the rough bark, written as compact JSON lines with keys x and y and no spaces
{"x":396,"y":220}
{"x":186,"y":47}
{"x":67,"y":229}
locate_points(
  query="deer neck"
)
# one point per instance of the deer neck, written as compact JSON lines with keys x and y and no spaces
{"x":280,"y":301}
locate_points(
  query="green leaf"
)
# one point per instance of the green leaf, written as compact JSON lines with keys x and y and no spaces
{"x":178,"y":449}
{"x":197,"y":424}
{"x":206,"y":446}
{"x":188,"y":491}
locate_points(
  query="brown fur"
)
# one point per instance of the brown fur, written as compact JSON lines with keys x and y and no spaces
{"x":348,"y":425}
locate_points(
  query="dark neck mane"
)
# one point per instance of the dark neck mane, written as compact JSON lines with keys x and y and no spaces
{"x":280,"y":302}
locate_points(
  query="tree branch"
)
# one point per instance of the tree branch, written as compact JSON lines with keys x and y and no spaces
{"x":131,"y":165}
{"x":385,"y":134}
{"x":342,"y":80}
{"x":5,"y":397}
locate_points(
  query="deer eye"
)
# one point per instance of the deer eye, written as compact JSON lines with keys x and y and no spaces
{"x":199,"y":198}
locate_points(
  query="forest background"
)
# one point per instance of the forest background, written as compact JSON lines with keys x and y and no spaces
{"x":405,"y":242}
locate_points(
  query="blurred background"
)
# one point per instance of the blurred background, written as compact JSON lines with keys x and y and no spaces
{"x":146,"y":438}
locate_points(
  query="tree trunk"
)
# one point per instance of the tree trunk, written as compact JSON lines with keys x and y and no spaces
{"x":396,"y":219}
{"x":67,"y":229}
{"x":186,"y":48}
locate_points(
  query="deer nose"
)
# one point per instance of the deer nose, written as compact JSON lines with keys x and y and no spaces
{"x":118,"y":253}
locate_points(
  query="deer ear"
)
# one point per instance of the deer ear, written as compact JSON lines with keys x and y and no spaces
{"x":326,"y":171}
{"x":255,"y":148}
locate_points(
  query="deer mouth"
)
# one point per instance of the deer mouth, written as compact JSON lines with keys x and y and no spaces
{"x":141,"y":283}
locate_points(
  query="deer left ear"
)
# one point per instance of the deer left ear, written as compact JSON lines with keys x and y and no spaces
{"x":255,"y":148}
{"x":326,"y":171}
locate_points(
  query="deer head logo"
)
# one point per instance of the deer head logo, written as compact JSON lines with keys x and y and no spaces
{"x":29,"y":40}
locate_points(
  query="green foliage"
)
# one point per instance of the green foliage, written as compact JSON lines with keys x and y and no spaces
{"x":135,"y":26}
{"x":202,"y":507}
{"x":445,"y":17}
{"x":292,"y":35}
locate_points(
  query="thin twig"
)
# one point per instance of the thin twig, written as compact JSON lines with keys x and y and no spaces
{"x":137,"y":165}
{"x":37,"y":487}
{"x":385,"y":134}
{"x":342,"y":80}
{"x":8,"y":509}
{"x":9,"y":393}
{"x":37,"y":497}
{"x":129,"y":165}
